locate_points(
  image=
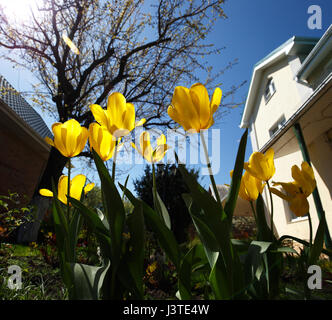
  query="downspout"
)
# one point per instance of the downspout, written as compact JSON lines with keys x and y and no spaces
{"x":318,"y":203}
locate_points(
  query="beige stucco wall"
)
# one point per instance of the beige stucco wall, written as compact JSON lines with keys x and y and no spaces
{"x":287,"y":154}
{"x":285,"y":101}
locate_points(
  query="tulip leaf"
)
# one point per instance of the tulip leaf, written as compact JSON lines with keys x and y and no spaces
{"x":162,"y":210}
{"x":236,"y":178}
{"x":194,"y":257}
{"x":219,"y":280}
{"x":153,"y":220}
{"x":317,"y":246}
{"x":96,"y":225}
{"x":135,"y":258}
{"x":113,"y":207}
{"x":263,"y":230}
{"x":88,"y":280}
{"x":205,"y":233}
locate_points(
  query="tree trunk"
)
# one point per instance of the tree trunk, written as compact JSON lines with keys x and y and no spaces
{"x":28,"y":232}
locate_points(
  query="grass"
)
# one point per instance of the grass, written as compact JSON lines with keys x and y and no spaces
{"x":39,"y":280}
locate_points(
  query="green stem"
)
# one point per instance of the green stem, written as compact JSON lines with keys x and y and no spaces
{"x":272,"y":234}
{"x":253,"y":210}
{"x":310,"y":229}
{"x":114,"y":159}
{"x":215,"y":190}
{"x":154,"y":186}
{"x":68,"y":188}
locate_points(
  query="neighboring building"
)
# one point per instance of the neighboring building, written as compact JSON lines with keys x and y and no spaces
{"x":243,"y":219}
{"x":24,"y":152}
{"x":290,"y":98}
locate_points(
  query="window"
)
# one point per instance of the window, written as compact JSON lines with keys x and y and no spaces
{"x":269,"y":90}
{"x":278,"y":125}
{"x":290,"y":216}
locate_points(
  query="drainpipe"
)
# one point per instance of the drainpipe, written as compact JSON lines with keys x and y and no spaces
{"x":318,"y":204}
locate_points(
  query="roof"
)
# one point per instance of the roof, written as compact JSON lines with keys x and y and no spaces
{"x":294,"y":45}
{"x":322,"y":49}
{"x":22,"y":108}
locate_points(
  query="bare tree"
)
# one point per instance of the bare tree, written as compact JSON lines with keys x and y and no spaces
{"x":142,"y":50}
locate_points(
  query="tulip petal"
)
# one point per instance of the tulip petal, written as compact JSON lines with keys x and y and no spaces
{"x":201,"y":101}
{"x":49,"y":141}
{"x":76,"y":186}
{"x":188,"y":115}
{"x":88,"y":187}
{"x":100,"y":115}
{"x":140,"y":123}
{"x":46,"y":193}
{"x":63,"y":189}
{"x":159,"y":152}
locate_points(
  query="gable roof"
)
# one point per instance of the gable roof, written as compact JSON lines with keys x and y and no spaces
{"x":22,"y":108}
{"x":292,"y":46}
{"x":322,"y":49}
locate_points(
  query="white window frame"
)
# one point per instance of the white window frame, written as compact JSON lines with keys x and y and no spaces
{"x":270,"y":90}
{"x":277,"y":126}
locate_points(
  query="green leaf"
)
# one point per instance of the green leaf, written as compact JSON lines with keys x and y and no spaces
{"x":154,"y":221}
{"x":317,"y":247}
{"x":219,"y":280}
{"x":236,"y":179}
{"x":263,"y":230}
{"x":114,"y":208}
{"x":88,"y":280}
{"x":96,"y":225}
{"x":205,"y":234}
{"x":195,"y":256}
{"x":135,"y":258}
{"x":74,"y":229}
{"x":162,"y":210}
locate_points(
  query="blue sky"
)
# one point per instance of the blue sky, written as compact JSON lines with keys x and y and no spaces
{"x":252,"y":30}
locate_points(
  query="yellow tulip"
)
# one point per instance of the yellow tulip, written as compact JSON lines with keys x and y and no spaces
{"x":101,"y":141}
{"x":250,"y":187}
{"x":192,"y":108}
{"x":76,"y":188}
{"x":152,"y":155}
{"x":119,"y":118}
{"x":297,"y":192}
{"x":304,"y":178}
{"x":260,"y":165}
{"x":297,"y":201}
{"x":69,"y":138}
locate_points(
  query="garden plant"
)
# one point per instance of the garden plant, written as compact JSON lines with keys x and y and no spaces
{"x":230,"y":268}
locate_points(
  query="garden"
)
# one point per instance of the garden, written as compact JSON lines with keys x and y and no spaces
{"x":123,"y":247}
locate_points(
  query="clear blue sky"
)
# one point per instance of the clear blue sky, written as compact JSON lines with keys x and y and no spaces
{"x":252,"y":30}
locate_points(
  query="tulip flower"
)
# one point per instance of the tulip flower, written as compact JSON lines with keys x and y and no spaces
{"x":297,"y":192}
{"x":250,"y":187}
{"x":260,"y":165}
{"x":192,"y":108}
{"x":304,"y":178}
{"x":69,"y":138}
{"x":76,"y":188}
{"x":119,"y":118}
{"x":101,"y":141}
{"x":151,"y":155}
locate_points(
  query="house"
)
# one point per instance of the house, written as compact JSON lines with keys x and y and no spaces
{"x":243,"y":219}
{"x":289,"y":109}
{"x":24,"y":152}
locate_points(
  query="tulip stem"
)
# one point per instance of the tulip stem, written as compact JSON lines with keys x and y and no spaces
{"x":68,"y":189}
{"x":154,"y":186}
{"x":215,"y":190}
{"x":310,"y":229}
{"x":268,"y":185}
{"x":253,"y":210}
{"x":114,"y":159}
